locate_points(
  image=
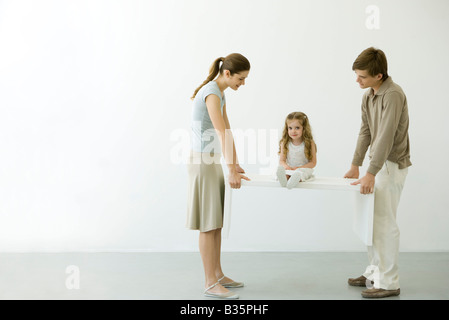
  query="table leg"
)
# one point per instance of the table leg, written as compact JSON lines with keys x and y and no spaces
{"x":227,"y":210}
{"x":363,"y":217}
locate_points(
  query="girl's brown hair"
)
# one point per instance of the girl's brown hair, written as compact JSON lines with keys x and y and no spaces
{"x":306,"y":134}
{"x":234,"y":62}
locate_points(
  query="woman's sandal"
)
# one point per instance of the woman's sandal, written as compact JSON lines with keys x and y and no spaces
{"x":232,"y":284}
{"x":225,"y":295}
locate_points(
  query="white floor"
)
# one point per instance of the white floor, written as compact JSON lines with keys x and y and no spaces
{"x":175,"y":276}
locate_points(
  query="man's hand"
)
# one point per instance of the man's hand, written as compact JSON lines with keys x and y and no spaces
{"x":366,"y":183}
{"x":353,"y":173}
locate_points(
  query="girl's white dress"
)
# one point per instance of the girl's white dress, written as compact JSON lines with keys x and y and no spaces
{"x":296,"y":157}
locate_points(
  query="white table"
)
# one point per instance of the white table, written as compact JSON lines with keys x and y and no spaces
{"x":364,"y":204}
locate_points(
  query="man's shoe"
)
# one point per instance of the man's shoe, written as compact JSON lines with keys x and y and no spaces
{"x":380,"y":293}
{"x":358,"y":282}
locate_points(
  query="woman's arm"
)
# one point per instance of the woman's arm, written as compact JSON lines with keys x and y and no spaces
{"x":227,"y":141}
{"x":228,"y":127}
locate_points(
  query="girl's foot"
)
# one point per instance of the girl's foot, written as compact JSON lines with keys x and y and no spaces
{"x":294,"y":179}
{"x":280,"y":173}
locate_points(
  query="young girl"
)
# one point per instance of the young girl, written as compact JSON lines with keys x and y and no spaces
{"x":297,"y":151}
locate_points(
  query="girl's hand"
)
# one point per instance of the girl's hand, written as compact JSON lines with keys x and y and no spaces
{"x":287,"y":167}
{"x":235,"y":179}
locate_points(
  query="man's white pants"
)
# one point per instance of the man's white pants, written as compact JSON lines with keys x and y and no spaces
{"x":383,"y":254}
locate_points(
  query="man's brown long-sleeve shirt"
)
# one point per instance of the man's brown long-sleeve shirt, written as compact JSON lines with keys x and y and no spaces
{"x":384,"y":128}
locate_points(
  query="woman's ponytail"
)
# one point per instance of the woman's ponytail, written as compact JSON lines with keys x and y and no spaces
{"x":213,"y":72}
{"x":234,"y":62}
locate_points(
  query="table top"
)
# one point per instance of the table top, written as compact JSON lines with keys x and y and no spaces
{"x":329,"y":183}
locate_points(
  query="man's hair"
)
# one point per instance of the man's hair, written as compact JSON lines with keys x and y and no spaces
{"x":372,"y":60}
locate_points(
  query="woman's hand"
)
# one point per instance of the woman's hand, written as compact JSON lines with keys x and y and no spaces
{"x":235,"y":179}
{"x":239,"y":169}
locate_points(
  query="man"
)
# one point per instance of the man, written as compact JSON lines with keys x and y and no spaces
{"x":385,"y":130}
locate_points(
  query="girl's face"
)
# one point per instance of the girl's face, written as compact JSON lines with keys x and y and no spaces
{"x":295,"y":130}
{"x":236,"y":80}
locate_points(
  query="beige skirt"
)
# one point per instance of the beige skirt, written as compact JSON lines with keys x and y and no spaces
{"x":205,"y":193}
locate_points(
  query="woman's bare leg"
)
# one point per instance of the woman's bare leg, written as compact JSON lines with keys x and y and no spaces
{"x":210,"y":243}
{"x":218,"y":271}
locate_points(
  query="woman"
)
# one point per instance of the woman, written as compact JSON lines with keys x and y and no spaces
{"x":210,"y":134}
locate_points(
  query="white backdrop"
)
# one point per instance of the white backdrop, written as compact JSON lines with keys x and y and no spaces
{"x":94,"y":107}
